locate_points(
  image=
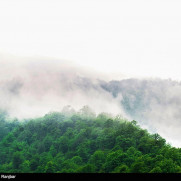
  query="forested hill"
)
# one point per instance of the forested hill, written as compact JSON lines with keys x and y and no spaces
{"x":6,"y":125}
{"x":85,"y":143}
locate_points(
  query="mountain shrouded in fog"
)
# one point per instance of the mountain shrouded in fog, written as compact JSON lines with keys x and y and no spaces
{"x":90,"y":86}
{"x":155,"y":103}
{"x":34,"y":89}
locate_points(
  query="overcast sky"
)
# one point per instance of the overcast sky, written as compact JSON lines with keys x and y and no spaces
{"x":134,"y":38}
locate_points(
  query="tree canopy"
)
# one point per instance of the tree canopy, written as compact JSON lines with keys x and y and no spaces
{"x":83,"y":143}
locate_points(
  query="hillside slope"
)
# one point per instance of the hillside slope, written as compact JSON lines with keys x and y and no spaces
{"x":85,"y":143}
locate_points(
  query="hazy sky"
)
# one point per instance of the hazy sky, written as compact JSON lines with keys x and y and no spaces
{"x":137,"y":38}
{"x":133,"y":38}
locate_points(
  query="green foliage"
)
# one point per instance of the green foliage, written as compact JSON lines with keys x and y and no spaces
{"x":121,"y":169}
{"x":98,"y":159}
{"x":50,"y":167}
{"x":88,"y":168}
{"x":17,"y":160}
{"x":83,"y":143}
{"x":6,"y":125}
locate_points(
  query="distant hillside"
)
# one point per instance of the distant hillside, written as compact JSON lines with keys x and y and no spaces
{"x":139,"y":95}
{"x":154,"y":103}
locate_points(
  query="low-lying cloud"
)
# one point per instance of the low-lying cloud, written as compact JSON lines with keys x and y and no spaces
{"x":32,"y":88}
{"x":154,"y":103}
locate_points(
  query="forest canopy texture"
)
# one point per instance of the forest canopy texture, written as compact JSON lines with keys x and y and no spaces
{"x":81,"y":142}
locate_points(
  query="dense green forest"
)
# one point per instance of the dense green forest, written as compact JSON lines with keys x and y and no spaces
{"x":81,"y":142}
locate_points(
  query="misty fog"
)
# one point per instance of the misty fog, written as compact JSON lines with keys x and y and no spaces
{"x":34,"y":87}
